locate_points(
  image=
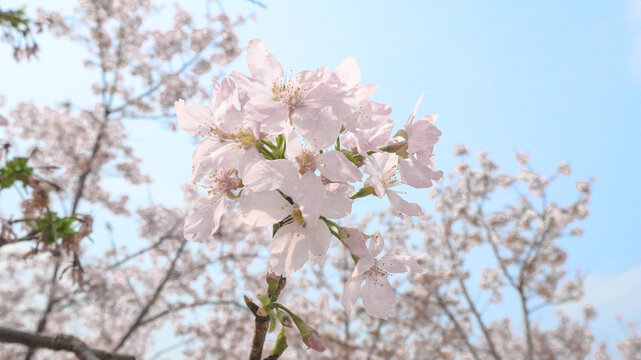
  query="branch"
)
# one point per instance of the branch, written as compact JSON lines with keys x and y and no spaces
{"x":51,"y":301}
{"x":181,"y":307}
{"x":468,"y":299}
{"x":153,"y":299}
{"x":261,"y":321}
{"x":57,"y":343}
{"x":458,"y":327}
{"x":142,"y":251}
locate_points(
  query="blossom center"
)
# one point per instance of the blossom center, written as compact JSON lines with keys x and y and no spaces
{"x":306,"y":161}
{"x":223,"y":182}
{"x":389,"y":178}
{"x":242,"y":136}
{"x":289,"y":92}
{"x":377,"y":274}
{"x":297,"y":215}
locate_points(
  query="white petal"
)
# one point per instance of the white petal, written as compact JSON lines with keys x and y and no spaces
{"x":245,"y":161}
{"x":201,"y":161}
{"x":348,"y":72}
{"x":337,"y":202}
{"x":318,"y":236}
{"x":262,"y":64}
{"x":289,"y":250}
{"x":310,"y":195}
{"x":351,"y":293}
{"x":401,"y":206}
{"x":383,"y":162}
{"x":418,"y":173}
{"x":293,"y":147}
{"x":263,"y":208}
{"x":335,"y":166}
{"x":376,"y":244}
{"x":399,"y":264}
{"x":203,"y":218}
{"x":318,"y":125}
{"x":355,"y":241}
{"x":418,"y":103}
{"x":194,"y":118}
{"x":270,"y":175}
{"x":422,"y":135}
{"x":378,"y":297}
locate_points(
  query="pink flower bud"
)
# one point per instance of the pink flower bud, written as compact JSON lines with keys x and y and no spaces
{"x":314,"y":340}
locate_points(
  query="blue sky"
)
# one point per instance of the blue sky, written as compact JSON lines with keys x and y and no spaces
{"x":558,"y":80}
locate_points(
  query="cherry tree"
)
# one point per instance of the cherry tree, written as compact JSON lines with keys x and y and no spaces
{"x":265,"y":259}
{"x":63,"y":153}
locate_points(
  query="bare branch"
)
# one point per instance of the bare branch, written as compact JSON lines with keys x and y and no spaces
{"x":59,"y":342}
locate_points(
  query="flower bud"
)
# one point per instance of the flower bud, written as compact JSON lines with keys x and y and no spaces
{"x":314,"y":341}
{"x":310,"y":336}
{"x":272,"y":282}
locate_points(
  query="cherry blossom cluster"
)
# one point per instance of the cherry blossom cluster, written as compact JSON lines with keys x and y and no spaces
{"x":288,"y":150}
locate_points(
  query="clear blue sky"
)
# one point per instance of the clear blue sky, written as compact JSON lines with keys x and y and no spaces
{"x":558,"y":80}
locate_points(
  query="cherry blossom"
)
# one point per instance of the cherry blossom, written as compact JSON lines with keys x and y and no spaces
{"x":302,"y":232}
{"x":383,"y":172}
{"x":377,"y":293}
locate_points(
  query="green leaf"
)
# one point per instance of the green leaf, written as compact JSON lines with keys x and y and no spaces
{"x":15,"y":170}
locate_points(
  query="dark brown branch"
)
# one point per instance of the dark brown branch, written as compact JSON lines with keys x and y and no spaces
{"x":57,"y":343}
{"x":261,"y":321}
{"x":51,"y":301}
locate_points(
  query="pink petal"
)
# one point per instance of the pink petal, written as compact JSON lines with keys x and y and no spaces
{"x":201,"y":164}
{"x":422,"y":135}
{"x":348,"y":72}
{"x":355,"y":241}
{"x":194,"y":118}
{"x":263,"y":208}
{"x":318,"y":125}
{"x":378,"y":297}
{"x":399,"y":264}
{"x":290,"y":250}
{"x":376,"y":244}
{"x":418,"y":172}
{"x":401,"y":206}
{"x":310,"y":195}
{"x":337,"y":202}
{"x":318,"y":237}
{"x":418,"y":103}
{"x":335,"y":166}
{"x":262,"y":64}
{"x":203,"y":218}
{"x":270,"y":175}
{"x":351,"y":293}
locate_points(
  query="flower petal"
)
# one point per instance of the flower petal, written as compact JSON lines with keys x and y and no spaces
{"x":401,"y":206}
{"x":203,"y":218}
{"x":317,"y":124}
{"x":378,"y":297}
{"x":422,"y":135}
{"x":195,"y":119}
{"x":399,"y":264}
{"x":348,"y":72}
{"x":310,"y":196}
{"x":263,"y":208}
{"x":335,"y":166}
{"x":290,"y":250}
{"x":270,"y":175}
{"x":262,"y":64}
{"x":318,"y":237}
{"x":351,"y":293}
